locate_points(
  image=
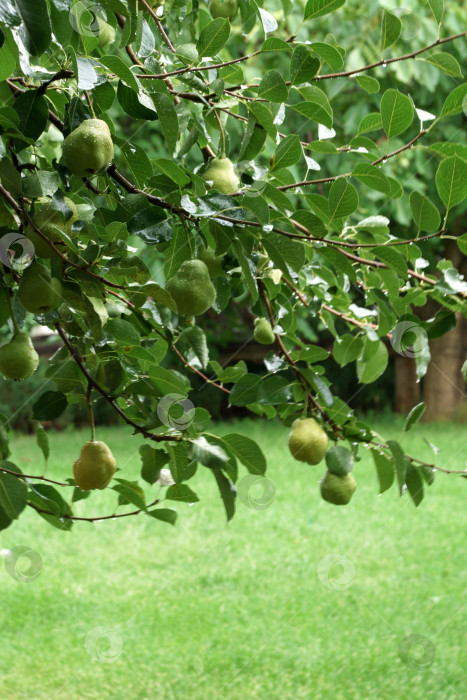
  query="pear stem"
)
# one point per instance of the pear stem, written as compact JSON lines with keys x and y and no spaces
{"x":16,"y":330}
{"x":91,"y":414}
{"x":91,"y":108}
{"x":222,"y":153}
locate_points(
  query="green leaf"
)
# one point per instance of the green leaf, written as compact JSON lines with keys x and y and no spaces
{"x":178,"y":461}
{"x":319,"y":8}
{"x":451,"y":181}
{"x":444,"y":62}
{"x":343,"y":199}
{"x":347,"y":348}
{"x":181,"y":492}
{"x":137,"y":163}
{"x":391,"y":29}
{"x":168,"y":120}
{"x":303,"y":66}
{"x":247,"y":451}
{"x":37,"y":33}
{"x":122,"y":331}
{"x":424,"y":212}
{"x":373,"y":361}
{"x":167,"y":515}
{"x":384,"y":470}
{"x":248,"y":269}
{"x":396,"y":112}
{"x":213,"y":37}
{"x":121,"y":70}
{"x":414,"y":484}
{"x":153,"y":460}
{"x":13,"y":495}
{"x":275,"y":44}
{"x":49,"y":406}
{"x":169,"y":381}
{"x":245,"y":390}
{"x":172,"y":170}
{"x":414,"y":416}
{"x":437,"y":7}
{"x":401,"y":463}
{"x":31,"y":108}
{"x":42,"y":440}
{"x":369,"y":84}
{"x":454,"y":101}
{"x":227,"y":492}
{"x":196,"y":341}
{"x":316,"y":106}
{"x":328,"y":53}
{"x":212,"y":456}
{"x":372,"y":177}
{"x":130,"y":492}
{"x":272,"y":87}
{"x":371,"y":122}
{"x":288,"y":152}
{"x":339,"y":460}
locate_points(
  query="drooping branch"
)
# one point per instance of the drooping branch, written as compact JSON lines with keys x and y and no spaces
{"x":77,"y":358}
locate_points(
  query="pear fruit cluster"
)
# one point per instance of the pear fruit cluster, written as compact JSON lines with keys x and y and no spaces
{"x":263,"y":332}
{"x":95,"y":466}
{"x":222,"y":174}
{"x":307,"y":441}
{"x":38,"y":291}
{"x":48,"y":220}
{"x":337,"y":489}
{"x":18,"y":359}
{"x":89,"y":149}
{"x":223,"y":8}
{"x":191,"y":288}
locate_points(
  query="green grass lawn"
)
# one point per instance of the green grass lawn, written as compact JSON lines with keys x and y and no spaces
{"x":250,"y":610}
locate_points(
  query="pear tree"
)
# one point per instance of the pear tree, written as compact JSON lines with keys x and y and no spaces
{"x":291,"y":170}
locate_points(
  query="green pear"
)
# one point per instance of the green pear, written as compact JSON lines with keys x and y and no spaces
{"x":88,"y":150}
{"x":337,"y":490}
{"x":221,"y":172}
{"x":48,"y":220}
{"x":223,"y":8}
{"x":191,"y":288}
{"x":95,"y":466}
{"x":263,"y":332}
{"x":18,"y":359}
{"x":106,"y":33}
{"x":212,"y":261}
{"x":38,"y":292}
{"x":307,"y":441}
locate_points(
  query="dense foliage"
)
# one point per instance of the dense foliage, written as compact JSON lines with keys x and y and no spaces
{"x":268,"y":164}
